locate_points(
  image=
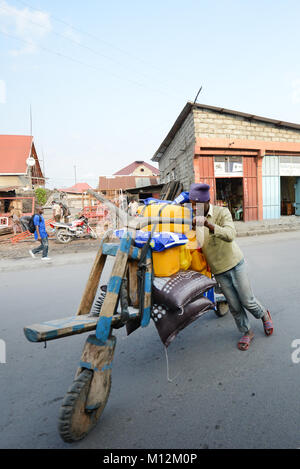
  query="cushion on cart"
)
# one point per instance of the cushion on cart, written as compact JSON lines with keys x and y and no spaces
{"x":169,"y":323}
{"x":177,"y":291}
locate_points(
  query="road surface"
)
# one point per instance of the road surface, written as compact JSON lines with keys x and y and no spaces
{"x":220,"y":397}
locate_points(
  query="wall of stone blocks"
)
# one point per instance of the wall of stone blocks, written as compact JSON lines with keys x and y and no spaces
{"x":179,"y":156}
{"x":211,"y":124}
{"x":178,"y":159}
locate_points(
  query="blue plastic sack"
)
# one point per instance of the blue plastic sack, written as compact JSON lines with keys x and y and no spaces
{"x":159,"y":242}
{"x":183,"y":198}
{"x":152,"y":200}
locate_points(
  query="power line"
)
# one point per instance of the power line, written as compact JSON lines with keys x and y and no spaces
{"x":90,"y":35}
{"x":59,"y":54}
{"x":73,"y":41}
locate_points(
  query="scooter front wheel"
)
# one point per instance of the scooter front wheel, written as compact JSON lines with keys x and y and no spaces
{"x":75,"y":421}
{"x":62,"y":236}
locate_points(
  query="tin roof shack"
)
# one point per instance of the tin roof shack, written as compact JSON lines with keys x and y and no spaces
{"x":136,"y":175}
{"x":76,"y":197}
{"x":19,"y":164}
{"x":243,"y":157}
{"x":144,"y":192}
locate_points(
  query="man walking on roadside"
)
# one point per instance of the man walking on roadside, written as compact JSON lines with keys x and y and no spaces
{"x":215,"y":234}
{"x":41,"y":235}
{"x":56,"y":211}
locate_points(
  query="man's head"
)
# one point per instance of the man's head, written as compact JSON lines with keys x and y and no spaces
{"x":199,"y":194}
{"x":40,"y":210}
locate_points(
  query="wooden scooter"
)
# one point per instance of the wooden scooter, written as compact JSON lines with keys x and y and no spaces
{"x":130,"y":285}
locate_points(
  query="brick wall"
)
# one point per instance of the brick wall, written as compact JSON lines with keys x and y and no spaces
{"x":177,"y":161}
{"x":217,"y":125}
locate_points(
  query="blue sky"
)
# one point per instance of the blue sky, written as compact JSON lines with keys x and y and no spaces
{"x":106,"y":80}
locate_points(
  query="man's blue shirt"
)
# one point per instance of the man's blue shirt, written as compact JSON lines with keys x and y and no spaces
{"x":40,"y":222}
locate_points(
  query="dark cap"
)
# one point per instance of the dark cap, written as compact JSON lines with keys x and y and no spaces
{"x":199,"y":192}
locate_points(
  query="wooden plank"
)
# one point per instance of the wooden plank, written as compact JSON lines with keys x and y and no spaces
{"x":148,"y":291}
{"x":133,"y":283}
{"x":111,"y":249}
{"x":113,"y":289}
{"x":65,"y":327}
{"x":93,"y":280}
{"x":98,"y":356}
{"x":56,"y":329}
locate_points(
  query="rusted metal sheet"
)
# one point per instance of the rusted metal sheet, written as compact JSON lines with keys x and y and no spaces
{"x":205,"y":172}
{"x":250,"y":189}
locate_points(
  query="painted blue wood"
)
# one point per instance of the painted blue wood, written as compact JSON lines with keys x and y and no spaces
{"x":110,"y":249}
{"x":103,"y":328}
{"x":146,"y":317}
{"x":147,"y":289}
{"x":297,"y":197}
{"x":271,"y":187}
{"x":114,"y":285}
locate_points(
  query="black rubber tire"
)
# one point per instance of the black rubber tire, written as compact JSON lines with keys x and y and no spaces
{"x":222,"y":309}
{"x":62,"y":236}
{"x":74,"y":421}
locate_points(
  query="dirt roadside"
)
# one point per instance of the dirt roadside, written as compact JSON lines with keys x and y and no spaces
{"x":20,"y":249}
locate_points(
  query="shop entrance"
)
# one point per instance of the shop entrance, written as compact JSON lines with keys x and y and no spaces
{"x":229,"y":193}
{"x":287,"y":189}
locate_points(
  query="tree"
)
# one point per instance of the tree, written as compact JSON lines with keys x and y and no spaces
{"x":41,"y":195}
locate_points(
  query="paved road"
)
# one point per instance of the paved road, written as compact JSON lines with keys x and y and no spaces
{"x":220,"y":397}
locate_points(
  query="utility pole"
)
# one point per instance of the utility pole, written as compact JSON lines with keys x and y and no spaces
{"x":30,"y":121}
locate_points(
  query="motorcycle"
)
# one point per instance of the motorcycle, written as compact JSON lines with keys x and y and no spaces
{"x":80,"y":228}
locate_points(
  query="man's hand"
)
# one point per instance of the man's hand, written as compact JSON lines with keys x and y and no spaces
{"x":202,"y":221}
{"x":199,"y":221}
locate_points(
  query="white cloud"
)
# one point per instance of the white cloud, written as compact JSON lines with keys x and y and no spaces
{"x":2,"y":92}
{"x":296,"y":91}
{"x":28,"y":25}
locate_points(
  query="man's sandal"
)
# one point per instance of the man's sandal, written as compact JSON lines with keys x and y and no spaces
{"x":268,"y":325}
{"x":244,"y":342}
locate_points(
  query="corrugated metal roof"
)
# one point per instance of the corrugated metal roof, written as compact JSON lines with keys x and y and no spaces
{"x":123,"y":182}
{"x":188,"y":108}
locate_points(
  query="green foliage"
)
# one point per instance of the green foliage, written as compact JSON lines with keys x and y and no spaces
{"x":41,"y":195}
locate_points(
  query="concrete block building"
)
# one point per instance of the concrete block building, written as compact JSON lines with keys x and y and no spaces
{"x":252,"y":163}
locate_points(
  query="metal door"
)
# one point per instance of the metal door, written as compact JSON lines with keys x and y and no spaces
{"x":271,"y":187}
{"x":297,"y":197}
{"x":205,"y":172}
{"x":250,"y":188}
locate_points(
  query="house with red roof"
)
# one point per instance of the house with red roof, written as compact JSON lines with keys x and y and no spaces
{"x":19,"y":164}
{"x":138,"y":169}
{"x":75,"y":196}
{"x":137,"y":174}
{"x":78,"y":188}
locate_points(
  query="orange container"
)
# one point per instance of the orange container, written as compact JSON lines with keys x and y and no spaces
{"x":168,"y":211}
{"x":199,"y":263}
{"x":185,"y":257}
{"x":167,"y":262}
